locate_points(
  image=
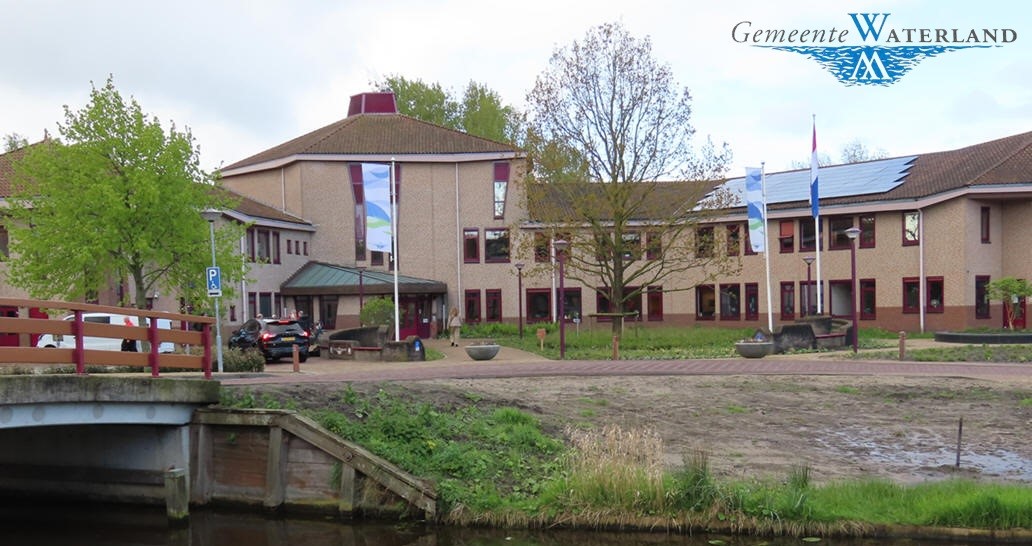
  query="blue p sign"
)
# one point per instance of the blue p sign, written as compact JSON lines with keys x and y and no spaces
{"x":214,"y":281}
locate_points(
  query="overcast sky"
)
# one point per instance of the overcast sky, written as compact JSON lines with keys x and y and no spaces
{"x":246,"y":76}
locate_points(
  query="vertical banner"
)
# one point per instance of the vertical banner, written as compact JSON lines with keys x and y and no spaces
{"x":376,"y":184}
{"x":757,"y":209}
{"x":814,"y":168}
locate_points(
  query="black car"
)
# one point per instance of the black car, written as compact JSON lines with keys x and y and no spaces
{"x":275,"y":338}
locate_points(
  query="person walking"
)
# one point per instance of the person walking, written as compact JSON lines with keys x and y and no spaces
{"x":454,"y":326}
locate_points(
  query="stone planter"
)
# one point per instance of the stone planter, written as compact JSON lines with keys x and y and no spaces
{"x":754,"y":349}
{"x":482,"y":352}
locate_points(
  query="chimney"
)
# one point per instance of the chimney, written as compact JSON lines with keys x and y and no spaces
{"x":372,"y":103}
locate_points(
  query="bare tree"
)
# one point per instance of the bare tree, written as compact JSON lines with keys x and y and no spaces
{"x":609,"y":130}
{"x":14,"y":141}
{"x":856,"y":151}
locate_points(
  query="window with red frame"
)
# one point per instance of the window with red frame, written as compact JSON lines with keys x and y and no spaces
{"x":786,"y":237}
{"x":868,"y":301}
{"x":539,"y":305}
{"x":472,"y":306}
{"x":807,"y":240}
{"x":911,"y":295}
{"x":541,"y":246}
{"x":376,"y":257}
{"x":653,"y":246}
{"x":492,"y":305}
{"x":705,"y":302}
{"x":747,"y":246}
{"x":787,"y":300}
{"x":911,"y":228}
{"x":730,"y":301}
{"x":936,"y":294}
{"x":982,"y":297}
{"x":654,"y":299}
{"x":752,"y":301}
{"x":496,"y":245}
{"x":734,"y":239}
{"x":471,"y":245}
{"x":704,"y":243}
{"x":985,"y":225}
{"x":837,"y":226}
{"x":867,"y":239}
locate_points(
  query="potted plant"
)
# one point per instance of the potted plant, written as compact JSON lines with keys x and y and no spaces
{"x":757,"y":346}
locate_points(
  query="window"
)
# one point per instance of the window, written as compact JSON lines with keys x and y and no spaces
{"x":631,"y":306}
{"x":807,"y":240}
{"x":376,"y":257}
{"x":867,"y":239}
{"x":982,"y":297}
{"x":837,"y":226}
{"x":734,"y":239}
{"x":752,"y":301}
{"x":262,"y":245}
{"x":290,"y":248}
{"x":572,"y":304}
{"x":4,"y":242}
{"x":808,"y":298}
{"x":297,"y":248}
{"x":868,"y":305}
{"x":788,"y":299}
{"x":748,"y":241}
{"x":911,"y":228}
{"x":631,"y":246}
{"x":493,"y":305}
{"x":704,"y":242}
{"x":275,"y":247}
{"x":787,"y":236}
{"x":653,"y":246}
{"x":911,"y":295}
{"x":654,"y":297}
{"x":985,"y":225}
{"x":472,"y":306}
{"x":496,"y":245}
{"x":840,"y":298}
{"x":249,"y":236}
{"x":541,"y":253}
{"x":705,"y":302}
{"x":730,"y":301}
{"x":539,"y":305}
{"x":935,"y":294}
{"x":501,"y":186}
{"x":471,"y":246}
{"x":232,"y":313}
{"x":305,"y":248}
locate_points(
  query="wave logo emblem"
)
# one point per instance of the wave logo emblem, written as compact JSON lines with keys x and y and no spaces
{"x":876,"y":63}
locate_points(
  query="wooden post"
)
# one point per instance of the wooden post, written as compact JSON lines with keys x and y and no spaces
{"x":960,"y":435}
{"x":177,"y":496}
{"x":616,"y":347}
{"x":297,"y":361}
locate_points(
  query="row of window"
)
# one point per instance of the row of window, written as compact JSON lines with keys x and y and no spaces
{"x":539,"y":305}
{"x":263,"y":245}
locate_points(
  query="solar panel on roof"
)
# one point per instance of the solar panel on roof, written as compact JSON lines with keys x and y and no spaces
{"x":847,"y":180}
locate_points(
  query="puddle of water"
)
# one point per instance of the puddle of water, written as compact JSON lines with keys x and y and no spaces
{"x":861,"y":443}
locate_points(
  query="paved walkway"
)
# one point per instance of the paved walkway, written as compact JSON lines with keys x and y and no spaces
{"x":515,"y":363}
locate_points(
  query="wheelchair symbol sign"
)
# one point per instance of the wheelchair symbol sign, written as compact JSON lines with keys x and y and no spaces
{"x":214,"y":277}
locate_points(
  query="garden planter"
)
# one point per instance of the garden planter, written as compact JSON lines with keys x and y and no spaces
{"x":754,"y":349}
{"x":482,"y":352}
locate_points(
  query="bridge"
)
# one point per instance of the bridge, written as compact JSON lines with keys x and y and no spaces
{"x":141,"y":438}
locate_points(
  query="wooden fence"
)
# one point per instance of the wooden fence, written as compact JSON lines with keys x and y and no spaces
{"x":23,"y":320}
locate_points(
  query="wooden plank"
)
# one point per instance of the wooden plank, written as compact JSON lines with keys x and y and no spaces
{"x":14,"y":325}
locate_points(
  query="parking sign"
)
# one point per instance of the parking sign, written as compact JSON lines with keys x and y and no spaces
{"x":214,"y":282}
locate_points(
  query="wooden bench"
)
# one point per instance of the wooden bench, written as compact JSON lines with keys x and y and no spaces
{"x":834,"y":340}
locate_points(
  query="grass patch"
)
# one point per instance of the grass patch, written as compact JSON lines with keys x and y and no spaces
{"x":846,"y":389}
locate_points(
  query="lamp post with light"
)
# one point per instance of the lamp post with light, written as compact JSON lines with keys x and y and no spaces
{"x":519,"y":292}
{"x":560,"y":250}
{"x":211,"y":215}
{"x":853,"y":233}
{"x":809,"y":293}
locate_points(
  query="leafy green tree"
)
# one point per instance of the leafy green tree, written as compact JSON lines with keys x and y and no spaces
{"x":377,"y":312}
{"x":479,"y":111}
{"x":14,"y":141}
{"x":1007,"y":290}
{"x":607,"y":124}
{"x":116,"y":199}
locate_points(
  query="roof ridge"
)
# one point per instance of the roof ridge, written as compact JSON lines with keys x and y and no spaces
{"x":1020,"y":148}
{"x":452,"y":129}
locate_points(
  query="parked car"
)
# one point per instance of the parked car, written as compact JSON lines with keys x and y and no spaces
{"x":104,"y":343}
{"x":275,"y":338}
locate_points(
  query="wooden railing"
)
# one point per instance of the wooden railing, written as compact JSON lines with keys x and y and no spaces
{"x":27,"y":326}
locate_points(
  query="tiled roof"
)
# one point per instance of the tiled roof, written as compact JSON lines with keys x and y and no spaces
{"x":324,"y":278}
{"x":7,"y":170}
{"x":256,"y":209}
{"x":378,"y":134}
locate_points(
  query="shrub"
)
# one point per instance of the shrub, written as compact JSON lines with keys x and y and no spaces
{"x":377,"y":312}
{"x":238,"y":360}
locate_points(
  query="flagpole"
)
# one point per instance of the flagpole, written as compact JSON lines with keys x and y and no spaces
{"x":394,"y":253}
{"x":766,"y":244}
{"x":815,"y":209}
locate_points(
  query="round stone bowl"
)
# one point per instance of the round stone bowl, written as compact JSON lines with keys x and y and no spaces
{"x":754,"y":349}
{"x":482,"y":352}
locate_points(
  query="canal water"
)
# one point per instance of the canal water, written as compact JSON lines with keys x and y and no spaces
{"x":95,"y":525}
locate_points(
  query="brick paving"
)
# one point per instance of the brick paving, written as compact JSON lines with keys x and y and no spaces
{"x":515,"y":363}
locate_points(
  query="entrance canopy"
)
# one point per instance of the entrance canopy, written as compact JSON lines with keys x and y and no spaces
{"x":318,"y":278}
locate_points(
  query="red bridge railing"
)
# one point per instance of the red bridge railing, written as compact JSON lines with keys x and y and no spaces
{"x":23,"y":321}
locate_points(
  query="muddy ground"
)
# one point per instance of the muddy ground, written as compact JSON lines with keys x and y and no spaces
{"x":900,"y":428}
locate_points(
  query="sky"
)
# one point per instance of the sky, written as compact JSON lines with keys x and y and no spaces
{"x":246,"y":76}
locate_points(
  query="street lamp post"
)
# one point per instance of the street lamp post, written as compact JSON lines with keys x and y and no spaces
{"x":211,"y":215}
{"x":361,"y":289}
{"x":519,"y":292}
{"x":809,"y":294}
{"x":560,"y":252}
{"x":853,"y":233}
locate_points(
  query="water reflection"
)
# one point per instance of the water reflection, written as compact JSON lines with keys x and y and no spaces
{"x":90,"y":525}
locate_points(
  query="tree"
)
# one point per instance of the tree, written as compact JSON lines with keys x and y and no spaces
{"x":856,"y":151}
{"x":608,"y":124}
{"x":478,"y":112}
{"x":1008,"y":290}
{"x":116,"y":199}
{"x":14,"y":141}
{"x":377,"y":312}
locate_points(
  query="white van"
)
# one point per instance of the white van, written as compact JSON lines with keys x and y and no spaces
{"x":102,"y":343}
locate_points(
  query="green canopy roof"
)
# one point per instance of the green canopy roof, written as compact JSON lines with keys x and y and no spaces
{"x":317,"y":278}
